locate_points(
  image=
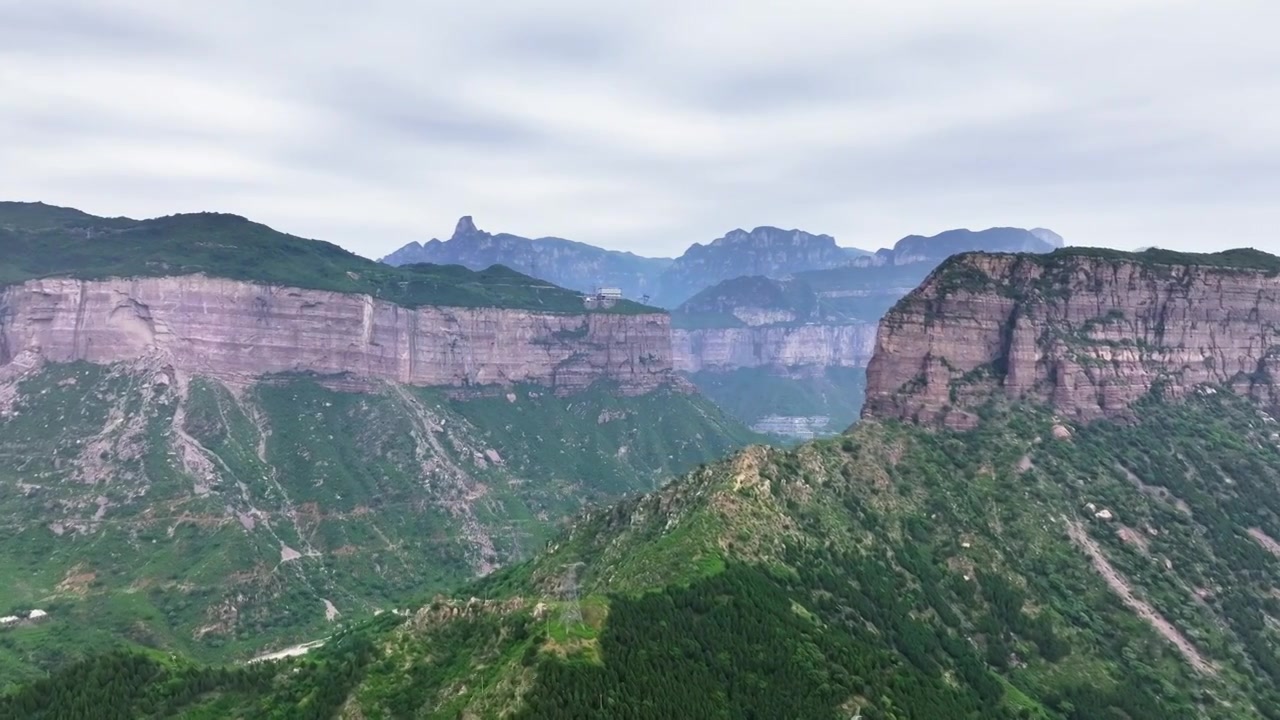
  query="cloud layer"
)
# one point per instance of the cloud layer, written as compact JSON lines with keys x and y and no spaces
{"x":652,"y":125}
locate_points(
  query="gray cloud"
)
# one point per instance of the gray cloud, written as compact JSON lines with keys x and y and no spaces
{"x":52,"y":28}
{"x":648,"y":126}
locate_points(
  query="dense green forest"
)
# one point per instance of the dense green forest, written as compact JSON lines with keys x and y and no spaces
{"x":156,"y":558}
{"x":892,"y":572}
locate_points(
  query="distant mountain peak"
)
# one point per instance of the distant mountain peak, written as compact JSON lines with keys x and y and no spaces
{"x":936,"y":248}
{"x":1049,"y":236}
{"x":573,"y":265}
{"x":466,"y":226}
{"x":768,"y":234}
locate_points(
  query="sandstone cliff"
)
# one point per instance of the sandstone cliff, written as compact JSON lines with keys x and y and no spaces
{"x":235,"y":331}
{"x":787,"y":349}
{"x":1086,"y":332}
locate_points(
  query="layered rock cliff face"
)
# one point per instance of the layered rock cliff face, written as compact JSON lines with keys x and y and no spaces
{"x":236,"y":331}
{"x":781,"y":355}
{"x":788,"y":349}
{"x":785,"y":325}
{"x":1087,"y":333}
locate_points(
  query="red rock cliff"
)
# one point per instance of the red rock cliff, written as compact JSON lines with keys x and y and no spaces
{"x":1085,"y":333}
{"x":236,"y":331}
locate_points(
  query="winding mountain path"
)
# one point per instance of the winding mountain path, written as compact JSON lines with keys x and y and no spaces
{"x":1120,"y":587}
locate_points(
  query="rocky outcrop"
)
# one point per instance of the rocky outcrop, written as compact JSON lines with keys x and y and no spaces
{"x":1087,"y":333}
{"x":789,"y":349}
{"x":237,"y":331}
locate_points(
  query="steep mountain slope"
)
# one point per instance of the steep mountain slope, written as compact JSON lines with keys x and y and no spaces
{"x":786,"y":356}
{"x":767,"y":251}
{"x":573,"y":265}
{"x":215,"y":464}
{"x":1034,"y":566}
{"x":1006,"y":572}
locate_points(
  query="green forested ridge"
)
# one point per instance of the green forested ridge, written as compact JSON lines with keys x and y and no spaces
{"x":893,"y":572}
{"x":217,"y":523}
{"x":958,"y":272}
{"x":39,"y":240}
{"x":1235,"y":258}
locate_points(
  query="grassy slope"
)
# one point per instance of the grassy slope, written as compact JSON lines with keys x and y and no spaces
{"x":892,"y":572}
{"x":41,"y":241}
{"x":386,"y":496}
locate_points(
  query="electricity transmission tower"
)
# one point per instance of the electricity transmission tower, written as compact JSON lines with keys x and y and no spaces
{"x":517,"y":549}
{"x":572,"y":614}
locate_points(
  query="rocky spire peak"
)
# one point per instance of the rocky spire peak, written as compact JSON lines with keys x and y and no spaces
{"x":464,"y":227}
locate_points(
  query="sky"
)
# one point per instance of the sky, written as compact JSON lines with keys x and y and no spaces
{"x":649,"y":125}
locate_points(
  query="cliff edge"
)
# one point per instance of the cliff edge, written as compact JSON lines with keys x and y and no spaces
{"x":221,"y":296}
{"x":237,"y":331}
{"x":1085,"y":331}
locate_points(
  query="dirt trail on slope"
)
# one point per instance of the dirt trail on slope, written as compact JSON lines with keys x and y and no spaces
{"x":1265,"y":541}
{"x":1120,"y":587}
{"x":289,"y":652}
{"x":1155,"y":491}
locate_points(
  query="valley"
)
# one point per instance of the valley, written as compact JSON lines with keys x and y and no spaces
{"x":1047,"y":560}
{"x":775,"y":326}
{"x":639,"y":361}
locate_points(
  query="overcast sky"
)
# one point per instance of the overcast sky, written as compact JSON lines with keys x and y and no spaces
{"x":649,"y":125}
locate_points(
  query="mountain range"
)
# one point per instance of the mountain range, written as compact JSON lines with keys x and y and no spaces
{"x":566,"y":263}
{"x":668,"y":282}
{"x":936,"y":248}
{"x":776,"y":326}
{"x":1062,"y":503}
